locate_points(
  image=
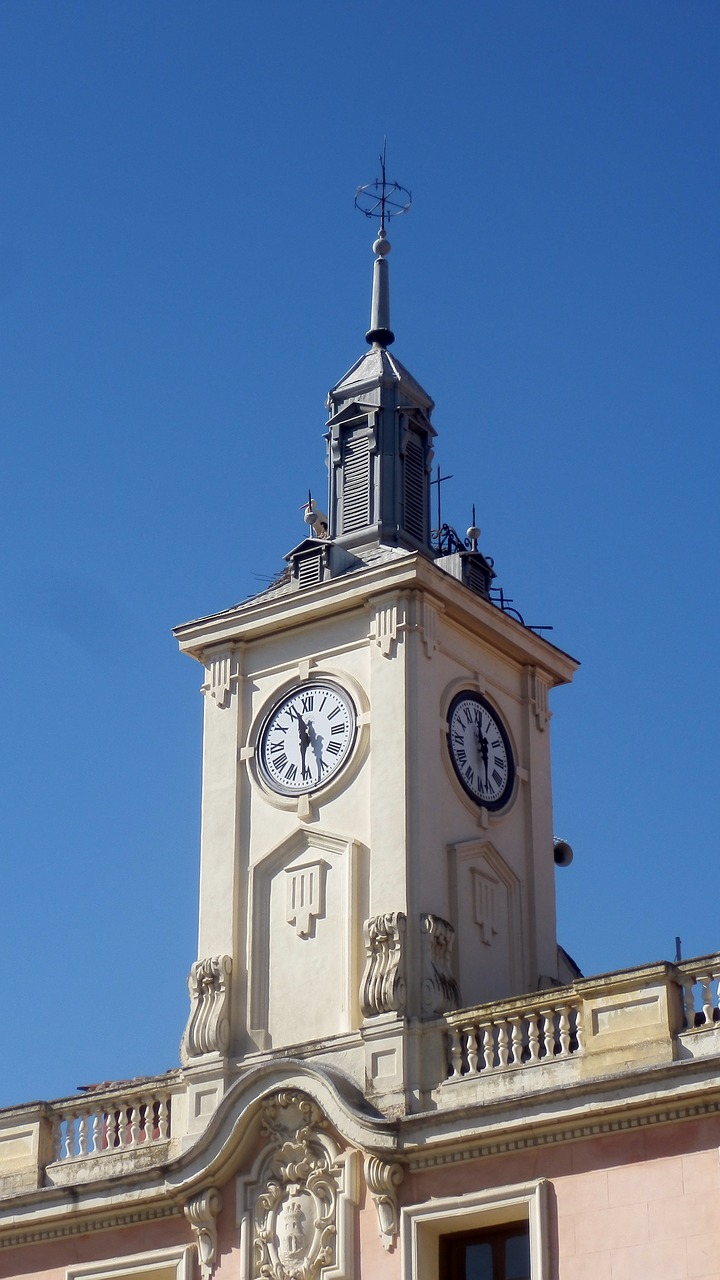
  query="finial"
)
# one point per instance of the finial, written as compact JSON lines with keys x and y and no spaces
{"x":384,"y":200}
{"x":473,"y":532}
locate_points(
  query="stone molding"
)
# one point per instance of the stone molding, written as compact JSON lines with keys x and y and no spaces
{"x":388,"y":624}
{"x":383,"y":1179}
{"x":220,"y":677}
{"x":208,"y":1027}
{"x":382,"y":987}
{"x":201,"y":1212}
{"x":538,"y":689}
{"x":439,"y":989}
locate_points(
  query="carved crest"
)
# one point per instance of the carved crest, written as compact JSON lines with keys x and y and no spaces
{"x":439,"y":988}
{"x":296,"y":1204}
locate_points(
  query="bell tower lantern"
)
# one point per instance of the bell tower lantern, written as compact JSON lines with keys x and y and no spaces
{"x":380,"y":438}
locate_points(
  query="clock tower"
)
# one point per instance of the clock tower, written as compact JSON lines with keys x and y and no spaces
{"x":377,"y":840}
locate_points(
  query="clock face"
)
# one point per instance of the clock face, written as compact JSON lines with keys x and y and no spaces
{"x":480,"y":750}
{"x":307,"y":738}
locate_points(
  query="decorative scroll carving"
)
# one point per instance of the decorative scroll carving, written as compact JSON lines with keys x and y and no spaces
{"x":387,"y":626}
{"x":538,"y":695}
{"x":383,"y":1179}
{"x":208,"y":1028}
{"x":295,"y":1206}
{"x":439,"y":988}
{"x":306,"y":896}
{"x":201,"y":1213}
{"x":382,"y":989}
{"x":220,"y":677}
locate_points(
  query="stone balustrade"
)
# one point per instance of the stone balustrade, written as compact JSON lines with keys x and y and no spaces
{"x":701,"y":999}
{"x":539,"y":1033}
{"x":100,"y":1126}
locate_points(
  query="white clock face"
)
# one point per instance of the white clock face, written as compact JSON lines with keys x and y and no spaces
{"x":480,"y":750}
{"x":307,"y":738}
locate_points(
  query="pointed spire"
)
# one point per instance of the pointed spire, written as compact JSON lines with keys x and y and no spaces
{"x":380,"y":334}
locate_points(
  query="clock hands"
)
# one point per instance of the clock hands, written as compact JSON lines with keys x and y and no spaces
{"x":483,"y":748}
{"x":308,"y":738}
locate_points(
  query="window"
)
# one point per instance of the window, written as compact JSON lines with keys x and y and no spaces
{"x":499,"y":1234}
{"x":160,"y":1264}
{"x":501,"y":1253}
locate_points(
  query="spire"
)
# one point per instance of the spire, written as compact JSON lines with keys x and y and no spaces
{"x":380,"y":334}
{"x":384,"y":200}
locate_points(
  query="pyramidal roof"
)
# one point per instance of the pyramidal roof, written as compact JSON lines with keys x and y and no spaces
{"x":378,"y":366}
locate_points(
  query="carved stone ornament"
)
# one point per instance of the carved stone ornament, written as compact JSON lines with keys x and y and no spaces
{"x":201,"y":1213}
{"x":383,"y":1180}
{"x":439,"y":988}
{"x":538,"y":694}
{"x":298,"y":1228}
{"x":220,"y":677}
{"x":388,"y":625}
{"x":382,"y":989}
{"x":208,"y":1028}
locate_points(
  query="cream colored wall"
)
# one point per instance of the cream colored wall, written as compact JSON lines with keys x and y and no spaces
{"x":407,"y":839}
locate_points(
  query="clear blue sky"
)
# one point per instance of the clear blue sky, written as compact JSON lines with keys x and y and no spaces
{"x":183,"y":276}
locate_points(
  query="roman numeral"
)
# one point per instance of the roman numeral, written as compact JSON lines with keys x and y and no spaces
{"x":276,"y":746}
{"x":334,"y":748}
{"x":462,"y":758}
{"x":338,"y":728}
{"x":291,"y":773}
{"x":497,"y":743}
{"x":497,"y":777}
{"x":457,"y":737}
{"x":469,"y":774}
{"x":280,"y":761}
{"x":322,"y":704}
{"x":500,"y":763}
{"x":307,"y":702}
{"x":333,"y":714}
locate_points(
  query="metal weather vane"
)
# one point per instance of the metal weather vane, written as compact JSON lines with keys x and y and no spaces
{"x":382,"y":199}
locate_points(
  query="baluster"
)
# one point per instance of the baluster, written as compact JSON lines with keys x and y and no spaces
{"x":134,"y":1124}
{"x":147,"y":1119}
{"x":112,"y":1120}
{"x":163,"y":1119}
{"x":472,"y":1051}
{"x":705,"y":979}
{"x":455,"y":1056}
{"x":533,"y":1037}
{"x":488,"y":1046}
{"x":69,"y":1137}
{"x":96,"y":1133}
{"x":503,"y":1044}
{"x":579,"y":1031}
{"x":516,"y":1044}
{"x":564,"y":1030}
{"x":58,"y":1138}
{"x":688,"y":986}
{"x":548,"y":1032}
{"x":82,"y":1134}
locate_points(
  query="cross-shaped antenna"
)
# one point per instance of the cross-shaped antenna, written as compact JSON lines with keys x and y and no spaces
{"x":382,"y":199}
{"x":439,"y":480}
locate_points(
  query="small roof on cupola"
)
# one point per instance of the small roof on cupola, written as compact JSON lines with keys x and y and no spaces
{"x":379,"y":367}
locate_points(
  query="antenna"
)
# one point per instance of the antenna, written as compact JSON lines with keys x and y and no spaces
{"x":382,"y":199}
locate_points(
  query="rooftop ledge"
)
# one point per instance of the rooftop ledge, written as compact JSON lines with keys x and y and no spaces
{"x":479,"y":1061}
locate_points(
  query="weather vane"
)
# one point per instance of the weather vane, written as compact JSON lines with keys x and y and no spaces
{"x":382,"y":199}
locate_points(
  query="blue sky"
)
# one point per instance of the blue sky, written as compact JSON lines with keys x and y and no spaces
{"x":183,"y":276}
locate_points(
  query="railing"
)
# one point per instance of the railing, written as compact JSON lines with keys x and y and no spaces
{"x":112,"y":1124}
{"x":701,"y":1001}
{"x":527,"y":1037}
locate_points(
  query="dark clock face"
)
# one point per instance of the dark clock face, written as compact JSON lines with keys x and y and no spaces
{"x":480,"y":750}
{"x":307,"y":737}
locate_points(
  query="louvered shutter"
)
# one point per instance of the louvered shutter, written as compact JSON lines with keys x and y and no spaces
{"x":414,"y":489}
{"x":356,"y":484}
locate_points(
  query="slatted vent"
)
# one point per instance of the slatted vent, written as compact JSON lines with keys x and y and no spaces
{"x":415,"y":490}
{"x":310,"y":570}
{"x":356,"y":484}
{"x":476,"y":577}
